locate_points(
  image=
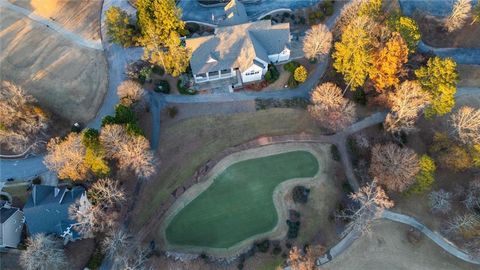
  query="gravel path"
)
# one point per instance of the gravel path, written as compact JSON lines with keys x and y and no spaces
{"x":92,"y":44}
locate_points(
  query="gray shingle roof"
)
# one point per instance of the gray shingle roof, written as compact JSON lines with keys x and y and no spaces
{"x":6,"y":213}
{"x":46,"y":210}
{"x":234,"y":14}
{"x":237,"y":46}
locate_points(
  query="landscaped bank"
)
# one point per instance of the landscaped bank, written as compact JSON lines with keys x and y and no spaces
{"x":241,"y":201}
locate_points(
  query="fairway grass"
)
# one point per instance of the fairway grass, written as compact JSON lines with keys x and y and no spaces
{"x":242,"y":201}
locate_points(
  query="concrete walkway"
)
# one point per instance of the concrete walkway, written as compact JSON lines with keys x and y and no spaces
{"x":79,"y":40}
{"x":434,"y":236}
{"x":467,"y":56}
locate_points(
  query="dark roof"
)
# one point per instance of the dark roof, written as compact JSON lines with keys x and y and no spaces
{"x":6,"y":213}
{"x":46,"y":210}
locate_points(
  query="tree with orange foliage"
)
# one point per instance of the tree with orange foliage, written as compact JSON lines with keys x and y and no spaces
{"x":388,"y":62}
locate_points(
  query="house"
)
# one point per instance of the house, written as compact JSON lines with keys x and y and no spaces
{"x":46,"y":211}
{"x":238,"y":48}
{"x":11,"y":225}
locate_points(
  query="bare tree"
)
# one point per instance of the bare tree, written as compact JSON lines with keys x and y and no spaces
{"x":317,"y":42}
{"x":472,"y":196}
{"x":66,"y":157}
{"x":112,"y":138}
{"x":43,"y":253}
{"x":406,"y":104}
{"x":130,"y":92}
{"x":91,"y":218}
{"x":372,"y":201}
{"x":347,"y":15}
{"x":137,"y":156}
{"x":107,"y":192}
{"x":330,"y":108}
{"x":394,"y":167}
{"x":123,"y":251}
{"x":116,"y":243}
{"x":459,"y":15}
{"x":465,"y":125}
{"x":463,"y":224}
{"x":440,"y":201}
{"x":299,"y":260}
{"x":132,"y":152}
{"x":22,"y":122}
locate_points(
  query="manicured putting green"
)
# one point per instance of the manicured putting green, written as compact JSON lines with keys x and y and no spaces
{"x":239,"y":202}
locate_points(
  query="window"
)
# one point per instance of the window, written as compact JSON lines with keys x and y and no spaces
{"x":252,"y":73}
{"x":212,"y":73}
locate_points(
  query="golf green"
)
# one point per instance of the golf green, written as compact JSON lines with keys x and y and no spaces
{"x":239,"y":203}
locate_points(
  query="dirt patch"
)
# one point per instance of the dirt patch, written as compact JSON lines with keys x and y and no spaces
{"x":188,"y":144}
{"x":66,"y":79}
{"x":388,"y":248}
{"x":434,"y":34}
{"x":81,"y":17}
{"x":469,"y":75}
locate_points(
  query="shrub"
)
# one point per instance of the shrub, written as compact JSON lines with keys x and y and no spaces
{"x":96,"y":259}
{"x":292,"y":83}
{"x":272,"y":74}
{"x":293,"y":228}
{"x":158,"y":70}
{"x":172,"y":111}
{"x":37,"y":181}
{"x":334,"y":152}
{"x":183,"y":89}
{"x":300,"y":194}
{"x":291,"y":66}
{"x":360,"y":97}
{"x":425,"y":178}
{"x":124,"y":114}
{"x":192,"y":27}
{"x":319,"y":15}
{"x":301,"y":20}
{"x":300,"y":75}
{"x":163,"y":87}
{"x":145,"y":74}
{"x":90,"y":138}
{"x":277,"y":249}
{"x":263,"y":246}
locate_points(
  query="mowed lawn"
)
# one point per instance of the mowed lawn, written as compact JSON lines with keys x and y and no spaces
{"x":239,"y":202}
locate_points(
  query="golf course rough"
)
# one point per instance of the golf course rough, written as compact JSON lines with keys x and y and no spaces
{"x":238,"y":204}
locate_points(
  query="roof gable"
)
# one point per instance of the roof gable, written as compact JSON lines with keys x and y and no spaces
{"x":47,"y":208}
{"x":237,"y":46}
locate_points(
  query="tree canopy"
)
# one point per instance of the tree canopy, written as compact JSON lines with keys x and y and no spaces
{"x":119,"y":28}
{"x":388,"y":63}
{"x":408,"y":29}
{"x":439,"y":77}
{"x":160,"y":22}
{"x":352,"y":56}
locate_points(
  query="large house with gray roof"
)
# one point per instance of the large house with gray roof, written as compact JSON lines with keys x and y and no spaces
{"x":46,"y":211}
{"x":11,"y":225}
{"x":238,"y":48}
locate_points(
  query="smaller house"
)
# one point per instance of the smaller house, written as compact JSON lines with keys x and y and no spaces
{"x":11,"y":225}
{"x":46,"y":211}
